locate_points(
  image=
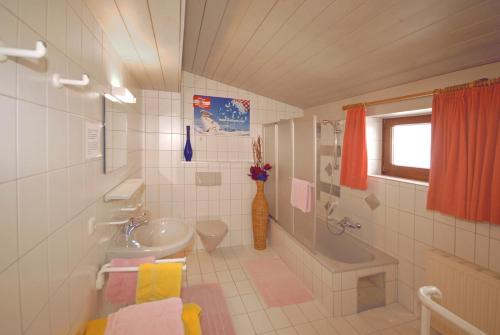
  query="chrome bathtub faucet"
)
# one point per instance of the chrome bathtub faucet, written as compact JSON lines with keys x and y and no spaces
{"x":343,"y":224}
{"x":346,"y":223}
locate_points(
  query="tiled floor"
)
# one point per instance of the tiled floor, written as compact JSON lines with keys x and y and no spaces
{"x":251,"y":316}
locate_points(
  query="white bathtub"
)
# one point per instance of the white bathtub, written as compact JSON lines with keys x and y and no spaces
{"x":341,"y":248}
{"x":345,"y":252}
{"x":332,"y":271}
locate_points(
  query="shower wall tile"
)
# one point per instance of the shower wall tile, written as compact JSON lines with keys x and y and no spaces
{"x":76,"y":144}
{"x":32,"y":135}
{"x":10,"y":309}
{"x":58,"y":263}
{"x":465,"y":244}
{"x":421,"y":204}
{"x":407,"y":197}
{"x":34,"y":283}
{"x":9,"y":236}
{"x":57,"y":199}
{"x":33,"y":219}
{"x":8,"y":130}
{"x":466,"y":225}
{"x":444,"y":237}
{"x":74,"y":35}
{"x":34,"y":13}
{"x":56,"y":23}
{"x":494,"y":252}
{"x":47,"y":189}
{"x":424,"y":230}
{"x":8,"y":34}
{"x":41,"y":324}
{"x":57,"y":147}
{"x":59,"y":310}
{"x":494,"y":231}
{"x":392,"y":195}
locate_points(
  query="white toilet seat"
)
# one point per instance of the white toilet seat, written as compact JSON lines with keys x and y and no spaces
{"x":211,"y":228}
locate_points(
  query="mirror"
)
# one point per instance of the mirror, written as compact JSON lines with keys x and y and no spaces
{"x":115,"y":135}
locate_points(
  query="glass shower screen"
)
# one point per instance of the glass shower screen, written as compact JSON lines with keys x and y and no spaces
{"x":291,"y":145}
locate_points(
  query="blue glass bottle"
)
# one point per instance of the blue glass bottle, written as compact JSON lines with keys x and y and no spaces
{"x":188,"y":150}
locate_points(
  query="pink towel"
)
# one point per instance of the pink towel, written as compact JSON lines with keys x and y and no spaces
{"x":301,"y":196}
{"x":120,"y":288}
{"x":151,"y":318}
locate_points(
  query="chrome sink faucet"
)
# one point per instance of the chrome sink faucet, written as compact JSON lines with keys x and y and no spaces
{"x":133,"y":223}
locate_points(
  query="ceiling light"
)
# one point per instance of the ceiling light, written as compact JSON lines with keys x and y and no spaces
{"x":110,"y":97}
{"x":122,"y":94}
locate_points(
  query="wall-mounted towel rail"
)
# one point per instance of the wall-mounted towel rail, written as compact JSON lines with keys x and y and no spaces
{"x":425,"y":294}
{"x":59,"y":82}
{"x":39,"y":51}
{"x":107,"y":268}
{"x":311,"y":184}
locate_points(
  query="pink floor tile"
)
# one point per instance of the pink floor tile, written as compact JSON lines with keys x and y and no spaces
{"x":215,"y":317}
{"x":277,"y":285}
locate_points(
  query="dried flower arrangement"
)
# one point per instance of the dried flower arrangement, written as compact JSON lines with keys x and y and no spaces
{"x":258,"y":171}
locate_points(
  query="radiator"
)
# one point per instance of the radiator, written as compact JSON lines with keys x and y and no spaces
{"x":471,"y":292}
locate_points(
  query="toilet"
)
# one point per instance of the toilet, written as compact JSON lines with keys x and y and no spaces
{"x":211,"y":233}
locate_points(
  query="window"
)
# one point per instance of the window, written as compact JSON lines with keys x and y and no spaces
{"x":406,"y":151}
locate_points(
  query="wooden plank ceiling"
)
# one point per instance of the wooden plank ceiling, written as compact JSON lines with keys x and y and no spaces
{"x":147,"y":35}
{"x":310,"y":52}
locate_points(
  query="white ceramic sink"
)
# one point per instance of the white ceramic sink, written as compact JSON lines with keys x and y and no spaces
{"x":159,"y":238}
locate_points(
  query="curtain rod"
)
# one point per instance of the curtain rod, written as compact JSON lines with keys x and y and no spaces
{"x":480,"y":82}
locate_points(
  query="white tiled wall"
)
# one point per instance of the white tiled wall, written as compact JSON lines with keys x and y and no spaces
{"x":170,"y":182}
{"x":48,"y":191}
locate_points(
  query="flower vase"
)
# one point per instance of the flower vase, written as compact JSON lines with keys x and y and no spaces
{"x":188,"y":150}
{"x":260,"y":217}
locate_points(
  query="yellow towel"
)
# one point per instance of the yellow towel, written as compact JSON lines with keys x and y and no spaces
{"x":96,"y":327}
{"x":158,"y":281}
{"x":191,"y":319}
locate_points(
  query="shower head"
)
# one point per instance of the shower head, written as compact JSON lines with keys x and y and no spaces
{"x":337,"y":127}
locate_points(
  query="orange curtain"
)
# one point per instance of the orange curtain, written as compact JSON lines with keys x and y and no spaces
{"x":353,"y":172}
{"x":464,"y":178}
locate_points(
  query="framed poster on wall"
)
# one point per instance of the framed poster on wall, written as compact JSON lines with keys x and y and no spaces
{"x":221,"y":116}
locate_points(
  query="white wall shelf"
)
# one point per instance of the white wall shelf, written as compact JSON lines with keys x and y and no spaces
{"x":125,"y":190}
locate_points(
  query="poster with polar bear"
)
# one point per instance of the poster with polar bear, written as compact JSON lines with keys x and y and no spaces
{"x":221,"y":116}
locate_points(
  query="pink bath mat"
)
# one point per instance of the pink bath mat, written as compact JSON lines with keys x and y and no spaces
{"x":277,"y":285}
{"x":215,"y":317}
